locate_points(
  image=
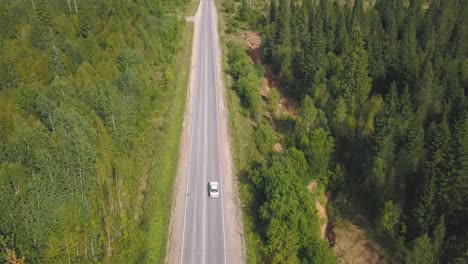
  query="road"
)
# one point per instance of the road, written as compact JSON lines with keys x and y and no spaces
{"x":203,"y":231}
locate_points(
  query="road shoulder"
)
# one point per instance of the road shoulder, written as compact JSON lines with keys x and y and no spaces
{"x":177,"y":213}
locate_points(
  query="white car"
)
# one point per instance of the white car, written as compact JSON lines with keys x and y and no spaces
{"x":213,"y":189}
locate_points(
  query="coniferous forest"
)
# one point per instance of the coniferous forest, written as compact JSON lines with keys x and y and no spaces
{"x":382,"y":124}
{"x":84,"y":88}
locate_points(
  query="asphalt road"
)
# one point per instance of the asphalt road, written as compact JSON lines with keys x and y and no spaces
{"x":203,"y":235}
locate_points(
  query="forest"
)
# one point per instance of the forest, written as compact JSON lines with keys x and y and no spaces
{"x":84,"y":115}
{"x":382,"y":123}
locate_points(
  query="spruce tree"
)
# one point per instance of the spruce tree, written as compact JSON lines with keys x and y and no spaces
{"x":423,"y":215}
{"x":357,"y":15}
{"x":421,"y":251}
{"x":438,"y":238}
{"x":409,"y":57}
{"x":357,"y":83}
{"x":414,"y":145}
{"x":341,"y":31}
{"x":283,"y":31}
{"x":439,"y":165}
{"x":272,"y":15}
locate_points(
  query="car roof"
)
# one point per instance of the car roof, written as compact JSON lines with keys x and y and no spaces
{"x":213,"y":183}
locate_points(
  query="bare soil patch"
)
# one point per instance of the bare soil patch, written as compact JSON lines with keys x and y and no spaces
{"x":265,"y":90}
{"x":322,"y":213}
{"x":312,"y":185}
{"x":253,"y":41}
{"x":353,"y":245}
{"x":270,"y":81}
{"x":290,"y":105}
{"x":278,"y":147}
{"x":321,"y":209}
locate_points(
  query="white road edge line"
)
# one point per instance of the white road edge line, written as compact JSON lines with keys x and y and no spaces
{"x":190,"y":151}
{"x":205,"y":150}
{"x":217,"y":129}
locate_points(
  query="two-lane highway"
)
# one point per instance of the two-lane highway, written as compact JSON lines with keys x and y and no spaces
{"x":203,"y":234}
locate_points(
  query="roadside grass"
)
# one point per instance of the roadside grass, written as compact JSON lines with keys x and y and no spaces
{"x":241,"y":129}
{"x":242,"y":135}
{"x":191,"y":8}
{"x":167,"y":141}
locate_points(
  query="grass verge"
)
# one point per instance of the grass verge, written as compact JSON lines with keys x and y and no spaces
{"x":242,"y":134}
{"x":191,"y":8}
{"x":241,"y":130}
{"x":165,"y":168}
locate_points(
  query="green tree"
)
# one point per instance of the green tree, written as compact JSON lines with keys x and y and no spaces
{"x":308,"y":117}
{"x":414,"y":145}
{"x":357,"y":15}
{"x":390,"y":218}
{"x":318,"y":149}
{"x":438,"y":237}
{"x":314,"y":57}
{"x":9,"y":78}
{"x":339,"y":116}
{"x":272,"y":13}
{"x":424,"y":212}
{"x":357,"y":80}
{"x":440,"y":165}
{"x":409,"y":53}
{"x":341,"y":32}
{"x":273,"y":101}
{"x":283,"y":31}
{"x":42,"y":31}
{"x":421,"y":251}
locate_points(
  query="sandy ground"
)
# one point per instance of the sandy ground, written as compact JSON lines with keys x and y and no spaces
{"x":321,"y":210}
{"x":354,"y":246}
{"x":233,"y":219}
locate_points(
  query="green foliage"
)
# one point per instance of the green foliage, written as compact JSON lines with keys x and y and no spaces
{"x":80,"y":93}
{"x":9,"y":78}
{"x":389,"y":218}
{"x":356,"y":77}
{"x":308,"y":118}
{"x":247,"y":14}
{"x":280,"y":227}
{"x":384,"y":82}
{"x":264,"y":138}
{"x":339,"y":116}
{"x":273,"y":101}
{"x":239,"y":62}
{"x":291,"y":224}
{"x":421,"y":251}
{"x":438,"y":238}
{"x":318,"y":148}
{"x":247,"y":80}
{"x":424,"y":212}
